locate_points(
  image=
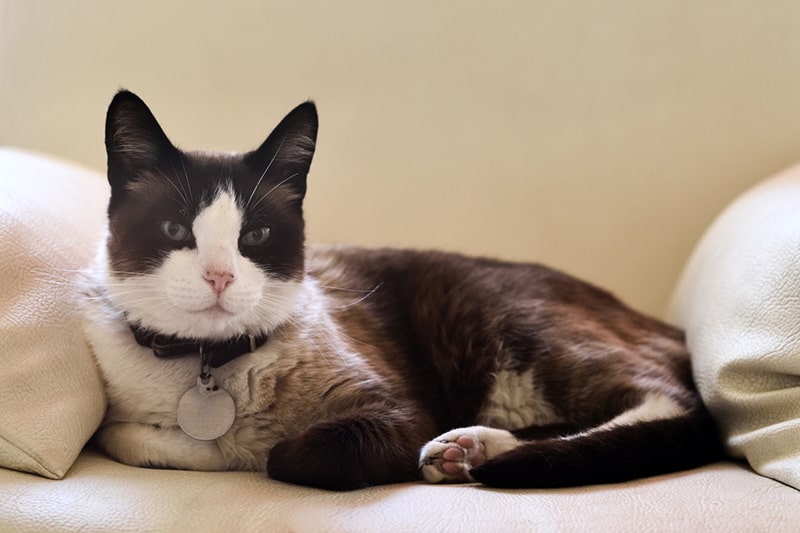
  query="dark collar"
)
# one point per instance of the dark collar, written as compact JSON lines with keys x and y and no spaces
{"x":219,"y":352}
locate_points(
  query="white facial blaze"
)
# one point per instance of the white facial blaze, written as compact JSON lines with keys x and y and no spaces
{"x":216,"y":230}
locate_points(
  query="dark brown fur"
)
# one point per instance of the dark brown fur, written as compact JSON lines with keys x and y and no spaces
{"x":440,"y":323}
{"x":441,"y":320}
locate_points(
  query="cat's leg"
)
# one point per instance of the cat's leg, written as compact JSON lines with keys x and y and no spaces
{"x":146,"y":445}
{"x":449,"y":457}
{"x":376,"y":446}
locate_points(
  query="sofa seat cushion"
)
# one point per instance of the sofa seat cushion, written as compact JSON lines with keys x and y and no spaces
{"x":100,"y":494}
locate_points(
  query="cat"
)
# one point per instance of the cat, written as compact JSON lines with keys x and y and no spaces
{"x":342,"y":367}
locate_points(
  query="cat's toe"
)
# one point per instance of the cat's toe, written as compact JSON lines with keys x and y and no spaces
{"x":453,"y":461}
{"x":449,"y":458}
{"x":474,"y":449}
{"x":444,"y":463}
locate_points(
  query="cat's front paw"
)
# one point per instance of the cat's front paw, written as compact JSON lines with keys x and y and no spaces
{"x":347,"y":453}
{"x":449,"y":457}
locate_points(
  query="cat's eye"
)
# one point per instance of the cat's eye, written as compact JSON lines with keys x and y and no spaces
{"x":255,"y":237}
{"x":174,"y":231}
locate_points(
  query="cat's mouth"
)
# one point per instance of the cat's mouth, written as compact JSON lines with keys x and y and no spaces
{"x":215,"y":310}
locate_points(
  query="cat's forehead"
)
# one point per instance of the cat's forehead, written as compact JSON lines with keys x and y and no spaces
{"x":198,"y":178}
{"x":212,"y":169}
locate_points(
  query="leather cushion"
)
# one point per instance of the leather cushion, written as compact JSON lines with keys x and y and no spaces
{"x":739,"y":301}
{"x":51,"y":217}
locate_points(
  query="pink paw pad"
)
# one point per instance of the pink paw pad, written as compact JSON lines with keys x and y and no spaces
{"x":463,"y":453}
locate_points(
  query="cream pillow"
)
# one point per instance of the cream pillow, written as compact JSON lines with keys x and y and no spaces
{"x":51,"y":396}
{"x":739,"y":301}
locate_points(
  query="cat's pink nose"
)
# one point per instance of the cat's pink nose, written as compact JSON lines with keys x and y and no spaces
{"x":219,"y":280}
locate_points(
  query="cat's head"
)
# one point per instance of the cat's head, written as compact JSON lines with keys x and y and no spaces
{"x":205,"y":245}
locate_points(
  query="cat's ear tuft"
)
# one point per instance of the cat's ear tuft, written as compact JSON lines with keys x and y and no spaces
{"x":285,"y":157}
{"x":134,"y":139}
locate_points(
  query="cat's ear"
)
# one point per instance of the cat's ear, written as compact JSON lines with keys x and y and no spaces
{"x":134,"y":139}
{"x":285,"y":157}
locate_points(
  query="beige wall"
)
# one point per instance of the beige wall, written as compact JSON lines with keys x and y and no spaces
{"x":598,"y":137}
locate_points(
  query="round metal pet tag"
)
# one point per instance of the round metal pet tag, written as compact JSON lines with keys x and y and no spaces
{"x":206,"y":412}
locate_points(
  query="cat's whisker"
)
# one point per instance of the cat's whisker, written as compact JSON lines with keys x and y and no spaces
{"x":155,"y":304}
{"x":261,"y":178}
{"x":264,"y":196}
{"x":352,"y":304}
{"x":327,"y":337}
{"x":278,"y":300}
{"x":185,"y":196}
{"x":53,"y":279}
{"x":57,"y":269}
{"x":132,"y":274}
{"x":283,"y":278}
{"x":319,"y":351}
{"x":174,"y":186}
{"x":361,"y":291}
{"x":186,"y":175}
{"x":76,"y":312}
{"x":123,"y":290}
{"x":151,"y":292}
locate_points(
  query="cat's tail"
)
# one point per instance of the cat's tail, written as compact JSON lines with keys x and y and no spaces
{"x":616,"y":454}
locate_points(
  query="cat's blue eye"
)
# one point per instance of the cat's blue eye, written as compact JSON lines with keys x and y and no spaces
{"x":174,"y":231}
{"x":255,"y":237}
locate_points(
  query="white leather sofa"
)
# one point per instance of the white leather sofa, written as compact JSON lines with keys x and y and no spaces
{"x":738,"y":299}
{"x":600,"y":138}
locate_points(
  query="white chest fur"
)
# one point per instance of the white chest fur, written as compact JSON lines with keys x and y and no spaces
{"x":146,"y":389}
{"x":143,"y":392}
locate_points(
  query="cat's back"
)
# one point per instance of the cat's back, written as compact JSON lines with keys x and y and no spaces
{"x":428,"y":276}
{"x":447,"y":322}
{"x":435,"y":297}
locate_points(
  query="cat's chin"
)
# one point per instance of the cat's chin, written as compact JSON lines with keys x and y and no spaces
{"x":214,"y":322}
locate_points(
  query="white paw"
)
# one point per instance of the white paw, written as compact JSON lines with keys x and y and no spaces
{"x":449,"y":457}
{"x":145,"y":445}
